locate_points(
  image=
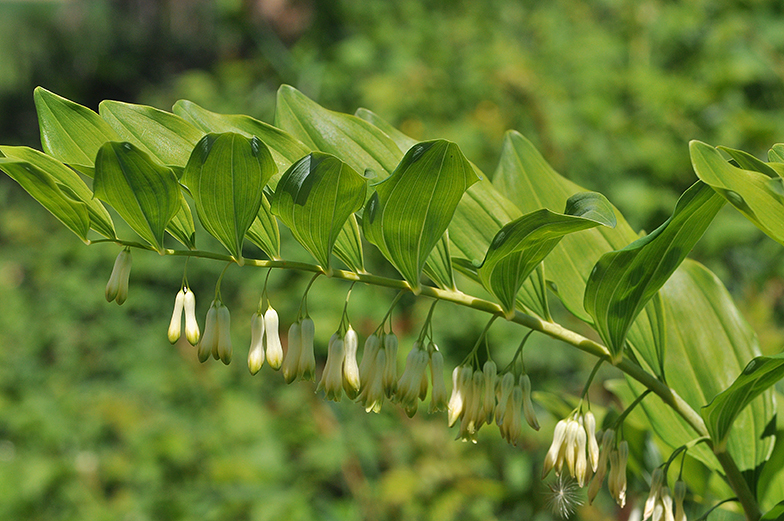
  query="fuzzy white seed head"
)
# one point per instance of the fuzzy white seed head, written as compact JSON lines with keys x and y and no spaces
{"x":175,"y":324}
{"x":564,"y":497}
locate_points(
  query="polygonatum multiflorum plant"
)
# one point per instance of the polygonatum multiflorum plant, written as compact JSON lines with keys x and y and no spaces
{"x":340,"y":182}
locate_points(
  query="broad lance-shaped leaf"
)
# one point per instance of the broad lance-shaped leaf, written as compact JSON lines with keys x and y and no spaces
{"x":756,"y":195}
{"x":68,"y":182}
{"x":759,"y":375}
{"x":181,"y":226}
{"x":708,"y":344}
{"x":523,"y":243}
{"x":401,"y":140}
{"x":774,"y":514}
{"x":143,"y":192}
{"x":226,"y":174}
{"x":286,"y":150}
{"x":776,"y":153}
{"x":164,"y":136}
{"x":46,"y":191}
{"x":623,"y":281}
{"x":358,"y":143}
{"x":70,"y":132}
{"x":264,"y":231}
{"x":314,"y":198}
{"x":411,"y":209}
{"x":348,"y":246}
{"x":530,"y":183}
{"x":438,"y":266}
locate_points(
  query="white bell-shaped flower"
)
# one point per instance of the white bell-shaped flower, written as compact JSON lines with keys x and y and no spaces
{"x":175,"y":324}
{"x":291,"y":360}
{"x":306,"y":369}
{"x":332,"y":377}
{"x":256,"y":351}
{"x":528,"y":404}
{"x":438,"y":398}
{"x":555,"y":453}
{"x":504,"y":392}
{"x":117,"y":287}
{"x":410,"y":382}
{"x":351,"y":381}
{"x":209,"y":340}
{"x":273,"y":347}
{"x":191,"y":324}
{"x":461,"y":382}
{"x":372,"y":394}
{"x":371,"y":347}
{"x":224,"y":335}
{"x":488,"y":401}
{"x":390,"y":367}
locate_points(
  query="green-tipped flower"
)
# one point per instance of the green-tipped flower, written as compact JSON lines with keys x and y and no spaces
{"x":372,"y":345}
{"x":224,"y":349}
{"x":332,"y":377}
{"x":589,"y":422}
{"x":657,"y":477}
{"x":617,"y":480}
{"x":473,"y":416}
{"x":490,"y":372}
{"x":256,"y":351}
{"x":306,"y":369}
{"x":351,"y":381}
{"x":680,"y":495}
{"x":528,"y":405}
{"x":410,"y":382}
{"x":176,"y":320}
{"x":512,"y":426}
{"x":191,"y":324}
{"x":274,"y":349}
{"x":389,"y":378}
{"x":117,"y":287}
{"x":504,"y":393}
{"x":438,"y":397}
{"x":291,"y":361}
{"x":209,"y":340}
{"x":608,"y":438}
{"x":462,"y":378}
{"x":372,"y":394}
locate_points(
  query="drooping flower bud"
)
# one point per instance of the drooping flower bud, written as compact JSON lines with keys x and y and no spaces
{"x":224,"y":335}
{"x":512,"y":427}
{"x":488,"y":400}
{"x":209,"y":340}
{"x":504,"y":393}
{"x":438,"y":397}
{"x":273,"y":346}
{"x":256,"y":351}
{"x":589,"y":422}
{"x":554,"y":454}
{"x":570,"y":442}
{"x":117,"y":287}
{"x":608,"y":437}
{"x":176,"y":320}
{"x":528,"y":405}
{"x":332,"y":377}
{"x":390,"y":368}
{"x":409,"y":384}
{"x":617,"y":481}
{"x":372,"y":395}
{"x":369,"y":351}
{"x":680,"y":495}
{"x":191,"y":324}
{"x":462,"y":378}
{"x":351,"y":381}
{"x":472,"y":416}
{"x":307,"y":357}
{"x":291,"y":361}
{"x":581,"y":461}
{"x":666,"y":502}
{"x":657,"y":477}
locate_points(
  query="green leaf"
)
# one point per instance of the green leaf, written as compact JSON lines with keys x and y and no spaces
{"x":181,"y":226}
{"x":623,"y":281}
{"x":774,"y":514}
{"x":747,"y":161}
{"x":69,"y":183}
{"x":522,"y":244}
{"x":226,"y":174}
{"x":164,"y":136}
{"x":70,"y":132}
{"x":264,"y":231}
{"x":286,"y":150}
{"x":411,"y":209}
{"x":348,"y":246}
{"x":356,"y":142}
{"x":759,"y":375}
{"x":439,"y":264}
{"x":776,"y":153}
{"x":143,"y":192}
{"x":530,"y":183}
{"x":402,"y":141}
{"x":314,"y":198}
{"x":46,"y":191}
{"x":708,"y":344}
{"x":750,"y":192}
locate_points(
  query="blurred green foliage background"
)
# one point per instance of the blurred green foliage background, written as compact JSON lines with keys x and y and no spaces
{"x":100,"y":418}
